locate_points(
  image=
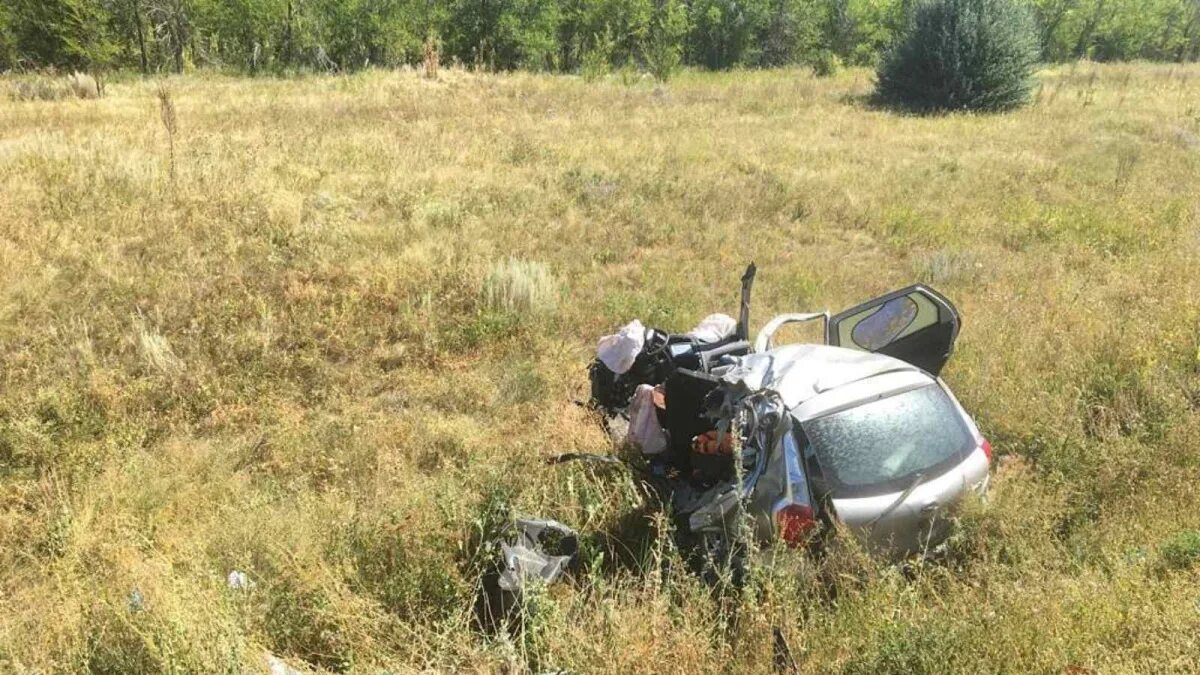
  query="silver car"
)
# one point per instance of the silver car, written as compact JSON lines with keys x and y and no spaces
{"x":859,"y":430}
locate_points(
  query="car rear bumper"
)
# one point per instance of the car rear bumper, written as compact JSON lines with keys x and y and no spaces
{"x":906,"y":524}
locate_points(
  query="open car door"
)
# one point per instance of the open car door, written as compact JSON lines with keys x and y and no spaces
{"x":915,"y":324}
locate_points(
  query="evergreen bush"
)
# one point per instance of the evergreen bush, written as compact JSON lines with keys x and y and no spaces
{"x":961,"y":55}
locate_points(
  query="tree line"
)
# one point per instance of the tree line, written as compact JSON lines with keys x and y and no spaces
{"x":558,"y":35}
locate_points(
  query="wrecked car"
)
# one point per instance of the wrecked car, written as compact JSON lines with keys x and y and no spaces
{"x":787,"y":441}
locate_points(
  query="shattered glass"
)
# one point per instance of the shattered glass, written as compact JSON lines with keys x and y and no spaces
{"x":889,"y":439}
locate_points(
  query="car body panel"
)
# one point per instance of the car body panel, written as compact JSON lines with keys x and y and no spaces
{"x":799,"y":372}
{"x":763,"y":343}
{"x":783,"y":482}
{"x":857,"y":392}
{"x":916,"y":324}
{"x":818,"y":380}
{"x":906,"y":523}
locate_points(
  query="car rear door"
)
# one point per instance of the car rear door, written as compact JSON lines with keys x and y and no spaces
{"x":915,"y":324}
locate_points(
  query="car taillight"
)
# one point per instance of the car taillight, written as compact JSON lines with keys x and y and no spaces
{"x":793,"y":523}
{"x":987,"y":448}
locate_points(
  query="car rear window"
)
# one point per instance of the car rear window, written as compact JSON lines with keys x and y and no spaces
{"x":881,"y":446}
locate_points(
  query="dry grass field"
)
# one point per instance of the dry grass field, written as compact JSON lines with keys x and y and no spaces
{"x":326,"y":330}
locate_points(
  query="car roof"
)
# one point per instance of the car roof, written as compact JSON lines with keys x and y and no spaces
{"x":799,"y":372}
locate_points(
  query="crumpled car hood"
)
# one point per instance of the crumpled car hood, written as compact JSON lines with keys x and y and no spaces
{"x":799,"y":372}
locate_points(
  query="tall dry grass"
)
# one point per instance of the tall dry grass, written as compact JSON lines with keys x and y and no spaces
{"x":48,"y":88}
{"x":309,"y":357}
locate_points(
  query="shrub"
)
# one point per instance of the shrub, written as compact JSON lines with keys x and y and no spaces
{"x":83,"y":85}
{"x":825,"y":63}
{"x":1182,"y":551}
{"x":664,"y":52}
{"x":156,"y":350}
{"x":432,"y":58}
{"x":42,"y":88}
{"x":37,"y":89}
{"x":961,"y":55}
{"x":725,"y":33}
{"x":947,"y":266}
{"x":597,"y":60}
{"x":519,"y":286}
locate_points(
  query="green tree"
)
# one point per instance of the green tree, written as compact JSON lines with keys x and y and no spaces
{"x":357,"y":33}
{"x":723,"y":32}
{"x":60,"y":33}
{"x":1134,"y":29}
{"x":857,"y":31}
{"x":793,"y":32}
{"x":1053,"y":16}
{"x":8,"y":44}
{"x":128,"y":25}
{"x":504,"y":34}
{"x":962,"y":55}
{"x":172,"y":24}
{"x":240,"y":33}
{"x":528,"y":35}
{"x":658,"y":35}
{"x":624,"y":25}
{"x":1111,"y":30}
{"x":664,"y":48}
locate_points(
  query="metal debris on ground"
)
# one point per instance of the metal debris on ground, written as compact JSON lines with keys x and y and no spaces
{"x":542,"y":550}
{"x":239,"y":581}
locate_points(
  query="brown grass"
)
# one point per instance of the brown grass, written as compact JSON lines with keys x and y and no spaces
{"x":46,"y":88}
{"x":287,"y":361}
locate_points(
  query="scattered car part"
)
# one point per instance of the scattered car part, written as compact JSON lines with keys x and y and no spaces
{"x":532,"y":552}
{"x":743,"y":327}
{"x":916,"y":324}
{"x":277,"y":666}
{"x":239,"y":581}
{"x":585,"y":457}
{"x":541,"y":550}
